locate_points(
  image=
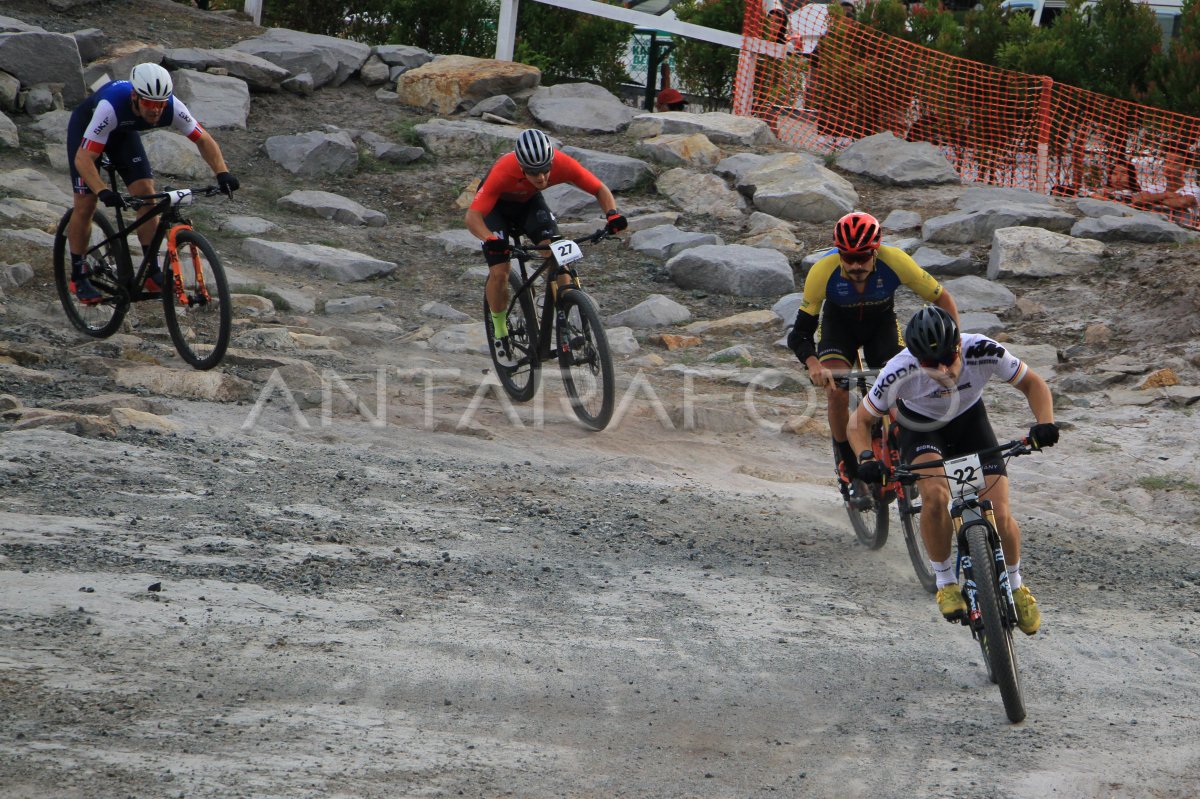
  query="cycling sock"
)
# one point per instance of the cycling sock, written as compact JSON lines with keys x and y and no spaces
{"x":944,"y":572}
{"x":499,"y":324}
{"x":1014,"y":576}
{"x":78,"y":265}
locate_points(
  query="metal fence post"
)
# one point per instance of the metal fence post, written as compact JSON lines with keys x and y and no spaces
{"x":506,"y":30}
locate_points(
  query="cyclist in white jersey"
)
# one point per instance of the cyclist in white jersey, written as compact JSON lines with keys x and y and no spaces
{"x":936,"y":385}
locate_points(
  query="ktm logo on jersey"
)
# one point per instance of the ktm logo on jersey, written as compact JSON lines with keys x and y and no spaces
{"x":985,"y":349}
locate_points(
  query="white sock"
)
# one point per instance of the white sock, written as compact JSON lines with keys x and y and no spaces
{"x":944,"y":572}
{"x":1014,"y":576}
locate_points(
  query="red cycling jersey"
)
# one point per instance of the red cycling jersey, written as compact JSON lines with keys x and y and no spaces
{"x":506,"y":181}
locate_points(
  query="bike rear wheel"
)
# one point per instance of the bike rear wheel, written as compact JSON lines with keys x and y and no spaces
{"x":100,"y":319}
{"x":520,"y":382}
{"x":584,"y":360}
{"x":996,"y":643}
{"x":196,"y":305}
{"x":910,"y":520}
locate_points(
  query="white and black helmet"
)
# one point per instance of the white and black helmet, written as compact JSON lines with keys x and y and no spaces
{"x":534,"y":151}
{"x":151,"y":82}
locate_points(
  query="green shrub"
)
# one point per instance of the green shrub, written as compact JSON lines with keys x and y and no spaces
{"x":568,"y":46}
{"x":702,"y":68}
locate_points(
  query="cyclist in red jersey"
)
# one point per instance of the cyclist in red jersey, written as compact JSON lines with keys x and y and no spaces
{"x":510,"y":203}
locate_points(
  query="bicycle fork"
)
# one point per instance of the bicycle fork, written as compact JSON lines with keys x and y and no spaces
{"x":974,"y":617}
{"x":201,"y":297}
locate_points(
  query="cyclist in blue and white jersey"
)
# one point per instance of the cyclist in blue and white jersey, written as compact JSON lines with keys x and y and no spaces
{"x":109,"y":122}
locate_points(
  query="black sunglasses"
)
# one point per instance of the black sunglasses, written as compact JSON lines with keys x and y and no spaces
{"x":857,"y":257}
{"x":946,"y":360}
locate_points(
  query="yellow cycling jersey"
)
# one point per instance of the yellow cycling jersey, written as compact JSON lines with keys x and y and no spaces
{"x":827,"y":282}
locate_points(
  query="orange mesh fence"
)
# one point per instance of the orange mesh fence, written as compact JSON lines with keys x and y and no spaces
{"x":837,"y":81}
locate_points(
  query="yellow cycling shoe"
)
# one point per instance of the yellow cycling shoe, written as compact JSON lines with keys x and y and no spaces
{"x":1029,"y":618}
{"x":951,"y":603}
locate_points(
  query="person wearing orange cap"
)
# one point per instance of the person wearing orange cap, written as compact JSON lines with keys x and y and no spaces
{"x":670,"y":100}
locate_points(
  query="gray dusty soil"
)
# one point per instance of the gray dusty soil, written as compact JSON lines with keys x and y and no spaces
{"x":455,"y":600}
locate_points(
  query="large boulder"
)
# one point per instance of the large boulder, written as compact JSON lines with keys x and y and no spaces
{"x":172,"y":154}
{"x":1143,"y":227}
{"x":327,"y":205}
{"x":891,"y":160}
{"x":345,"y":266}
{"x":667,"y":241}
{"x":579,"y":108}
{"x":681,"y":149}
{"x":797,"y":188}
{"x":217,"y":101}
{"x":449,"y":83}
{"x":618,"y":172}
{"x":328,"y":59}
{"x":466,"y":137}
{"x":719,"y":127}
{"x":259,"y":74}
{"x":314,"y":153}
{"x":702,"y":194}
{"x":979,"y":223}
{"x":1033,"y":252}
{"x":733,"y":269}
{"x":40,"y":57}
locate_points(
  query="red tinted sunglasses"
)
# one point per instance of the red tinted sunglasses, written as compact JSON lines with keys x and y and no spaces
{"x":152,"y":105}
{"x":946,"y":361}
{"x":857,"y":257}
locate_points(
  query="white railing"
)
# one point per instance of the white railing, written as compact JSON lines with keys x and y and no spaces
{"x":749,"y":49}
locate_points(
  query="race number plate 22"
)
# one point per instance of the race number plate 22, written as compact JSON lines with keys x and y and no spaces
{"x":965,"y":471}
{"x":566,"y":251}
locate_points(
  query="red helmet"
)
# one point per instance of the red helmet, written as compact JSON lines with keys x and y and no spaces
{"x":857,"y":232}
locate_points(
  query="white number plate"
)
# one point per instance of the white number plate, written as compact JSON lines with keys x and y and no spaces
{"x":181,"y":196}
{"x":566,"y":252}
{"x":964,"y":472}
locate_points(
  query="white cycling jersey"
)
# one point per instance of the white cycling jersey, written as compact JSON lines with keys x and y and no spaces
{"x":902,"y":378}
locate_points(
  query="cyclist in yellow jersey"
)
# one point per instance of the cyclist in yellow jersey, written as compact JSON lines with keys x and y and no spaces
{"x":849,"y":303}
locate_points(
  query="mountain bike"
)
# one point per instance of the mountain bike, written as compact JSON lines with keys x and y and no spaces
{"x":867,"y":505}
{"x":196,"y":305}
{"x":580,"y":343}
{"x":991,"y":612}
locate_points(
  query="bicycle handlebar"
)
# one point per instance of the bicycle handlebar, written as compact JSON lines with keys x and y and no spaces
{"x":1012,"y":449}
{"x":531,"y":252}
{"x":173,"y":194}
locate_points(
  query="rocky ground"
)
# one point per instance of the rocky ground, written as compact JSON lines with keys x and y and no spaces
{"x":435,"y":597}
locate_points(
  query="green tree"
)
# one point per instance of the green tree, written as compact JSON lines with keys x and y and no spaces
{"x":886,"y":16}
{"x":1175,"y":82}
{"x":568,"y":46}
{"x":936,"y":28}
{"x":987,"y":28}
{"x":708,"y":69}
{"x":461,"y":27}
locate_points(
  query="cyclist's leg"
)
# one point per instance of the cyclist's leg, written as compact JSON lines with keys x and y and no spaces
{"x":837,"y":349}
{"x":500,"y":222}
{"x":84,"y":205}
{"x":883,"y":342}
{"x":916,"y":447}
{"x":540,"y":226}
{"x":129,"y":155}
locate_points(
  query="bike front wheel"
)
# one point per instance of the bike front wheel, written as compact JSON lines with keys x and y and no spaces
{"x":910,"y":520}
{"x":521,"y":381}
{"x":996,"y":641}
{"x":584,"y":360}
{"x":196,"y":304}
{"x":102,"y":318}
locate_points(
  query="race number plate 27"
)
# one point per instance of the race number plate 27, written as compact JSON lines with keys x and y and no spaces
{"x":965,"y":471}
{"x":566,"y":251}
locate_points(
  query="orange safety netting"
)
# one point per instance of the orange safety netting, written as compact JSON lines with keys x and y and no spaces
{"x":831,"y":81}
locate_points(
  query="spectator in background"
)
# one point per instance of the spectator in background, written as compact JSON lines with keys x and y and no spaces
{"x":1173,"y":198}
{"x":668,"y":99}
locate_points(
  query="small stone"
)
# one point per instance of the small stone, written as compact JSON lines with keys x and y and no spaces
{"x":1160,"y":379}
{"x":1097,"y":334}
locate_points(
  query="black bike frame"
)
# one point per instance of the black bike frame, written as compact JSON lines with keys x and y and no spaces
{"x":125,"y":270}
{"x":553,"y":270}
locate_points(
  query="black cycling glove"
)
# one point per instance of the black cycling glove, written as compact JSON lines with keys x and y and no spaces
{"x":1043,"y":435}
{"x":870,"y":471}
{"x":111,"y":199}
{"x":616,"y":223}
{"x":228,"y":183}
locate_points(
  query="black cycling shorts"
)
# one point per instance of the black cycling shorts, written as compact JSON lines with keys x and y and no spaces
{"x":125,"y":150}
{"x":533,"y":219}
{"x":841,"y":333}
{"x":968,"y":432}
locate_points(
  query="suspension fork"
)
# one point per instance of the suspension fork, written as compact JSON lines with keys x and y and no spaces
{"x":177,"y":268}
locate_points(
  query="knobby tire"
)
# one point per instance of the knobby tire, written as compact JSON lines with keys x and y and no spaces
{"x":520,"y":382}
{"x":200,"y":329}
{"x":104,"y":318}
{"x":870,"y":523}
{"x":997,"y":642}
{"x":585,"y":361}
